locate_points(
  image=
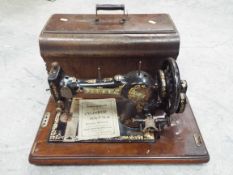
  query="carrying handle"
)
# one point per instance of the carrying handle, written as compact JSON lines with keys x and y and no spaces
{"x":110,"y":7}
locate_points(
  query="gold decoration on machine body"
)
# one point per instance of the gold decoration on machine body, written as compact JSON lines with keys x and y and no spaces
{"x":143,"y":94}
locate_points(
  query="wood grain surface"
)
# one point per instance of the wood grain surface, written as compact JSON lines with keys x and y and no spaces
{"x":176,"y":145}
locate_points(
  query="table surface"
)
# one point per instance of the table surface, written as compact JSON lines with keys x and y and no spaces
{"x":205,"y":61}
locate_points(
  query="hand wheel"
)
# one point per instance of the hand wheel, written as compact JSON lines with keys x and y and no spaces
{"x":171,"y":89}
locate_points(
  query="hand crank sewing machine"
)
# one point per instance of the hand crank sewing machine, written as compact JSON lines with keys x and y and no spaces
{"x":142,"y":95}
{"x":103,"y":109}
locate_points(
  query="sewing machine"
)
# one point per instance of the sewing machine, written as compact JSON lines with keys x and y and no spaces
{"x":141,"y":95}
{"x":116,"y":92}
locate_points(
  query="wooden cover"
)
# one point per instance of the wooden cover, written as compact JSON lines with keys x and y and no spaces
{"x":180,"y":143}
{"x":80,"y":44}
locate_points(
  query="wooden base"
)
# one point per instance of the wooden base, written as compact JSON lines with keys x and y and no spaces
{"x":180,"y":143}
